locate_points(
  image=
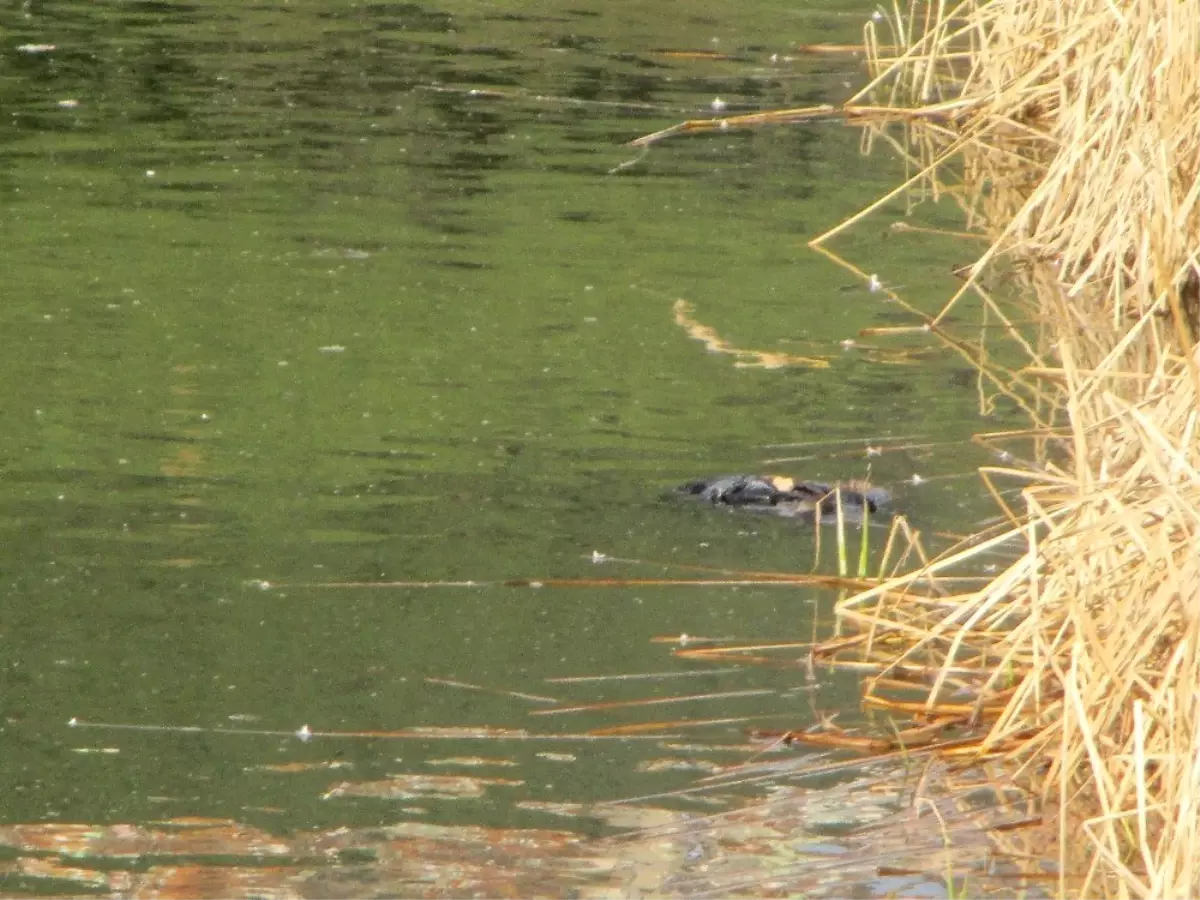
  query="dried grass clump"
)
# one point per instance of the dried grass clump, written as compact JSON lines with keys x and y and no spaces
{"x":1070,"y":133}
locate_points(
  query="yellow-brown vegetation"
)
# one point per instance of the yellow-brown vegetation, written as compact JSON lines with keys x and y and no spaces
{"x":1070,"y":134}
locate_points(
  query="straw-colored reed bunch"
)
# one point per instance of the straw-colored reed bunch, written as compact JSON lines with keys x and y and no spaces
{"x":1070,"y":132}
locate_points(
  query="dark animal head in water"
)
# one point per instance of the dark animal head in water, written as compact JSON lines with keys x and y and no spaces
{"x":786,"y":496}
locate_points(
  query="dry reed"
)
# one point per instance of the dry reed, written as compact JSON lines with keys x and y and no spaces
{"x":1070,"y":134}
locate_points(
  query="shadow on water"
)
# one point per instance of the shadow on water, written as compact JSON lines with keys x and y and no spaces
{"x":300,"y":299}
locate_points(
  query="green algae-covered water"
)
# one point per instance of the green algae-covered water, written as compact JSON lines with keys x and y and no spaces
{"x":305,"y":298}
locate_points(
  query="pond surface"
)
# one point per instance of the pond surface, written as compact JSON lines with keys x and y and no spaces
{"x":307,"y":300}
